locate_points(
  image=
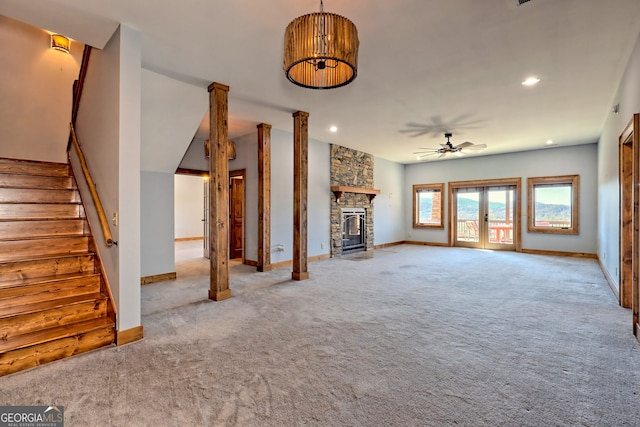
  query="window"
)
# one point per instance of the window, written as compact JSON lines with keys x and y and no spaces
{"x":553,"y":204}
{"x":428,"y":206}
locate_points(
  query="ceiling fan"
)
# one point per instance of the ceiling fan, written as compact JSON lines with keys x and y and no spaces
{"x":448,"y":147}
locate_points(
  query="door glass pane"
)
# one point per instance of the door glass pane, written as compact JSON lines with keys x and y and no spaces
{"x":468,"y":216}
{"x":500,"y":216}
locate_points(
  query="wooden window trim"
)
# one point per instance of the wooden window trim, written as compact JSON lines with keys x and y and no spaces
{"x":574,"y":182}
{"x":428,"y":187}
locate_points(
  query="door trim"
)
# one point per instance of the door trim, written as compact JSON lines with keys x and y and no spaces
{"x":629,"y":179}
{"x":517,"y":182}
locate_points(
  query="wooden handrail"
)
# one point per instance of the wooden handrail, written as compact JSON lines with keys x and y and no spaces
{"x":102,"y":217}
{"x":78,"y":85}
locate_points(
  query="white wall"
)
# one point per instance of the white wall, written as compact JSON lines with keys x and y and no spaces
{"x":319,"y":197}
{"x":188,"y":205}
{"x":109,"y":129}
{"x":319,"y":208}
{"x":628,"y":96}
{"x":36,"y":84}
{"x":388,"y":206}
{"x":157,"y":253}
{"x":581,"y":160}
{"x":129,"y":137}
{"x":281,"y":195}
{"x":172,"y":112}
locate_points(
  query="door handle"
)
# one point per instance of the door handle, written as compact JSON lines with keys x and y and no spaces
{"x":486,"y":217}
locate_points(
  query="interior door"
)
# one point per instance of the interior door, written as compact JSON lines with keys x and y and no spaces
{"x":484,"y":217}
{"x":236,"y":213}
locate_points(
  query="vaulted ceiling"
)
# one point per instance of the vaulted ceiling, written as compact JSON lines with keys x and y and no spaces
{"x":425,"y":66}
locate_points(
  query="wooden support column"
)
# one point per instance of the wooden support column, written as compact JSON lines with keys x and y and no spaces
{"x":219,"y":192}
{"x":264,"y":197}
{"x":300,"y":190}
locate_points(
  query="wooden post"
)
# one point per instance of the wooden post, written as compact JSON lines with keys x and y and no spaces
{"x":219,"y":193}
{"x":300,"y":190}
{"x":264,"y":197}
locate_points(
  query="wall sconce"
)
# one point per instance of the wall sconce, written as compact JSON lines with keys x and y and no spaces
{"x":60,"y":43}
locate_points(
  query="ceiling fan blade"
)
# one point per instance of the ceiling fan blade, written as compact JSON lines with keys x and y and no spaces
{"x":428,"y":154}
{"x":477,"y":147}
{"x":465,"y":145}
{"x":458,"y":153}
{"x":442,"y":155}
{"x":426,"y":150}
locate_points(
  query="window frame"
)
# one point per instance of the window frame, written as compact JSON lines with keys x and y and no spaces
{"x":571,"y":180}
{"x":417,"y":188}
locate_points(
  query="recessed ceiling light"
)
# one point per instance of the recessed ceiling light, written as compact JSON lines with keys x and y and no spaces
{"x":333,"y":129}
{"x":549,"y":142}
{"x":531,"y":81}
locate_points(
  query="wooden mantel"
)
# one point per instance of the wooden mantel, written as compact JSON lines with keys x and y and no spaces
{"x":339,"y":189}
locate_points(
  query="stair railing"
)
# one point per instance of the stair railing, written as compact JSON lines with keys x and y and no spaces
{"x":102,"y":217}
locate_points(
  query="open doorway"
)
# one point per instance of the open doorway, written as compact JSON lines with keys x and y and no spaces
{"x":188,"y":208}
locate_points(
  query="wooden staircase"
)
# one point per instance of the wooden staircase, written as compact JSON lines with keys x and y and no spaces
{"x":54,"y":300}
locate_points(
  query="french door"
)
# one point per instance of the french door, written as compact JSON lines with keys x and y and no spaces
{"x":485,"y":216}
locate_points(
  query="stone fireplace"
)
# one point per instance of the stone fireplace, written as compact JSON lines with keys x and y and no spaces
{"x":352,"y":197}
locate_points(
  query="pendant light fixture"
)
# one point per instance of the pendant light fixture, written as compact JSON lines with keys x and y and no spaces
{"x":321,"y":50}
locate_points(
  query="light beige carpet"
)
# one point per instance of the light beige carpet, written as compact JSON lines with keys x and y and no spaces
{"x":406,"y":336}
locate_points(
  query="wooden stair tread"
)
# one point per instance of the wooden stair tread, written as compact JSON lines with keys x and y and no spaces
{"x":25,"y":211}
{"x":55,"y":333}
{"x":48,"y":305}
{"x":17,"y":282}
{"x":46,"y":257}
{"x":44,"y":238}
{"x":31,"y":167}
{"x":11,"y":250}
{"x":48,"y":219}
{"x":18,"y":180}
{"x":11,"y":229}
{"x":38,"y":195}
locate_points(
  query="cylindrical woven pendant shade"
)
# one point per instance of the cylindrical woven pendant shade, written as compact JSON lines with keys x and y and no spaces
{"x":321,"y":51}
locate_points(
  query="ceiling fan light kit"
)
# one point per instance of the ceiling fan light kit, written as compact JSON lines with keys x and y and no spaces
{"x":448,"y":147}
{"x":321,"y":50}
